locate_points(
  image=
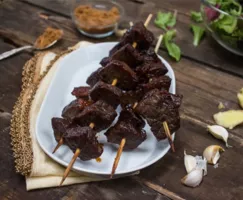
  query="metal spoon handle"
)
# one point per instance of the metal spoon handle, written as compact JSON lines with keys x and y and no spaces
{"x":13,"y":51}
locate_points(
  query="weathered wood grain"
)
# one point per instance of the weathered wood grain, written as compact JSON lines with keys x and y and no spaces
{"x":202,"y":85}
{"x":209,"y":52}
{"x":10,"y":77}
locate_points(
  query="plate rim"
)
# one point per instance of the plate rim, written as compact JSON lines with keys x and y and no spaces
{"x":87,"y":171}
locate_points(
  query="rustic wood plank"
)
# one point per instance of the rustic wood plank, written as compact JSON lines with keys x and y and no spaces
{"x":209,"y":52}
{"x":11,"y":74}
{"x":225,"y":182}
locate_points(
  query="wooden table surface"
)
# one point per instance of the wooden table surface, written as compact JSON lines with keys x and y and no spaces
{"x":205,"y":76}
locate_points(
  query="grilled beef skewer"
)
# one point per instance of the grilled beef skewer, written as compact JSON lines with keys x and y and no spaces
{"x":127,"y":132}
{"x":159,"y":106}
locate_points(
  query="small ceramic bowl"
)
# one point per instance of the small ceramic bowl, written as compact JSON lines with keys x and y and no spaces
{"x":95,"y":31}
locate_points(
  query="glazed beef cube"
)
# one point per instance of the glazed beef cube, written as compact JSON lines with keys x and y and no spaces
{"x":159,"y":106}
{"x":139,"y":34}
{"x":81,"y":92}
{"x":129,"y":55}
{"x":129,"y":126}
{"x":127,"y":115}
{"x":105,"y":61}
{"x":59,"y":126}
{"x":129,"y":98}
{"x":85,"y":139}
{"x":93,"y":78}
{"x":161,"y":83}
{"x":100,"y":113}
{"x":72,"y":110}
{"x":106,"y":92}
{"x":126,"y":77}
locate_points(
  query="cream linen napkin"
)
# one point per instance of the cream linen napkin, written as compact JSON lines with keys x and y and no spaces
{"x":45,"y":172}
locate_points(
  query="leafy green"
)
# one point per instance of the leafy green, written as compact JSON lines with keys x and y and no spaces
{"x":214,"y":2}
{"x":225,"y":23}
{"x":196,"y":16}
{"x":165,"y":20}
{"x":198,"y":33}
{"x":231,"y":7}
{"x":173,"y":50}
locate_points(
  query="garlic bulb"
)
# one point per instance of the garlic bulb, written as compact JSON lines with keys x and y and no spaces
{"x":212,"y":153}
{"x":193,"y":179}
{"x":220,"y":133}
{"x":189,"y":162}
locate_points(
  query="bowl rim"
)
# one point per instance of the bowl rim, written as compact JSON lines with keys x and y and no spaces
{"x":205,"y":2}
{"x":92,"y":2}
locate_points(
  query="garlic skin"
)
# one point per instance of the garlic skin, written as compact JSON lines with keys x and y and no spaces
{"x":219,"y":132}
{"x":193,"y":179}
{"x":221,"y":106}
{"x":190,"y":162}
{"x":212,"y":153}
{"x":229,"y":119}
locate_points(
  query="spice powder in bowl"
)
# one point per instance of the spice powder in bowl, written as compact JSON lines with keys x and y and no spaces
{"x":96,"y":22}
{"x":49,"y":36}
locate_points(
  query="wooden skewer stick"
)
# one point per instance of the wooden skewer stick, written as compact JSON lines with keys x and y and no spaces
{"x":167,"y":132}
{"x":123,"y":141}
{"x":146,"y":23}
{"x":118,"y":156}
{"x":165,"y":124}
{"x":70,"y":165}
{"x":78,"y":151}
{"x":60,"y":143}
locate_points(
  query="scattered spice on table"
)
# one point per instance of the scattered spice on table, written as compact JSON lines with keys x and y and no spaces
{"x":49,"y":36}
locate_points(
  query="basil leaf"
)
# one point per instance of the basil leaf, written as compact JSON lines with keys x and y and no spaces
{"x":196,"y":16}
{"x":165,"y":20}
{"x":173,"y":50}
{"x":198,"y":33}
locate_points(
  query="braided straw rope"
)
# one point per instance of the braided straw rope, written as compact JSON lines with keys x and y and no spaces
{"x":20,"y":135}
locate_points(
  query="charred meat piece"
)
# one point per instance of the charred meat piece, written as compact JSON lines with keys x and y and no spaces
{"x":161,"y":83}
{"x":59,"y":126}
{"x":129,"y":55}
{"x":129,"y":98}
{"x":151,"y":67}
{"x":105,"y":61}
{"x":100,"y":113}
{"x":126,"y":54}
{"x":126,"y":77}
{"x":85,"y":139}
{"x":81,"y":92}
{"x":159,"y":106}
{"x":94,"y":77}
{"x":73,"y":109}
{"x":139,"y":34}
{"x":106,"y":92}
{"x":129,"y":126}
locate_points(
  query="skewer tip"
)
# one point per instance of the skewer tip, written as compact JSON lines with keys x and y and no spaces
{"x":58,"y":145}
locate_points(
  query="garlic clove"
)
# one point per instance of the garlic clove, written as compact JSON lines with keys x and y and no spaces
{"x":240,"y":97}
{"x":219,"y":132}
{"x":202,"y":164}
{"x":189,"y":162}
{"x":193,"y":179}
{"x":229,"y":119}
{"x":221,"y":106}
{"x":212,"y":153}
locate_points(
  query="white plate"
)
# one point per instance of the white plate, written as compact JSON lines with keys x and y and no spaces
{"x":73,"y":71}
